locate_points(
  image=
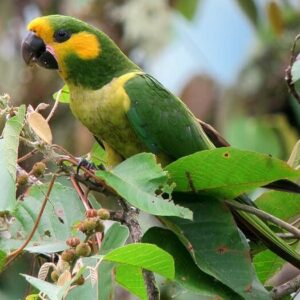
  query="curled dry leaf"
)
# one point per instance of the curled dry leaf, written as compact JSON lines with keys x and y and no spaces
{"x":41,"y":106}
{"x":78,"y":266}
{"x":64,"y":278}
{"x":44,"y":269}
{"x":93,"y":275}
{"x":40,"y":126}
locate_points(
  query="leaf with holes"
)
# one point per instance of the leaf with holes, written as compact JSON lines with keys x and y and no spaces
{"x":62,"y":211}
{"x":142,"y":182}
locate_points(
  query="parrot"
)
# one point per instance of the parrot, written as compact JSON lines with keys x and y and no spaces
{"x":127,"y":110}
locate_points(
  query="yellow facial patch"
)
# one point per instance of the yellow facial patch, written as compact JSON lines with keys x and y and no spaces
{"x":84,"y":44}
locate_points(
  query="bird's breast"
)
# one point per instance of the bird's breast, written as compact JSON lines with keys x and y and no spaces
{"x":103,"y":112}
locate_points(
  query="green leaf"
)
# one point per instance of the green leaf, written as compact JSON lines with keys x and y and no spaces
{"x":97,"y":154}
{"x":115,"y":237}
{"x":3,"y":256}
{"x":280,"y":204}
{"x":267,"y":264}
{"x":187,"y":7}
{"x":296,"y":71}
{"x":63,"y":95}
{"x":8,"y":159}
{"x":141,"y":181}
{"x":62,"y":211}
{"x":256,"y":130}
{"x":53,"y":291}
{"x":146,"y":256}
{"x":217,"y":245}
{"x":188,"y":275}
{"x":227,"y":172}
{"x":285,"y":206}
{"x":250,"y":10}
{"x":132,"y":279}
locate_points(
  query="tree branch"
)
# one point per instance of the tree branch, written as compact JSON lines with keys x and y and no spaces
{"x":265,"y":216}
{"x":286,"y":289}
{"x":130,"y":219}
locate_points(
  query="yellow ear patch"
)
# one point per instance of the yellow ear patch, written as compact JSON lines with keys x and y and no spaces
{"x":84,"y":44}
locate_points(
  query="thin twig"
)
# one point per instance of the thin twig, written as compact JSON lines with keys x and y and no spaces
{"x":80,"y":193}
{"x":54,"y":106}
{"x":85,"y":203}
{"x":26,"y":156}
{"x":12,"y":256}
{"x":287,"y":236}
{"x":286,"y":289}
{"x":265,"y":216}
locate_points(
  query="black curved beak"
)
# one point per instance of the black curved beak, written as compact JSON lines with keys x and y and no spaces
{"x":34,"y":51}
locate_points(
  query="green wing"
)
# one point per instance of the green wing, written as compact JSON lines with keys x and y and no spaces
{"x":161,"y":120}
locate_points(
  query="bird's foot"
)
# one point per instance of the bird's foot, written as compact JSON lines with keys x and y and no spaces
{"x":83,"y":162}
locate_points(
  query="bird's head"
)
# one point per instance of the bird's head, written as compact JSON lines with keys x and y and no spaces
{"x":82,"y":54}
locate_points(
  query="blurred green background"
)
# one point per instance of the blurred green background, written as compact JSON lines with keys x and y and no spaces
{"x":225,"y":59}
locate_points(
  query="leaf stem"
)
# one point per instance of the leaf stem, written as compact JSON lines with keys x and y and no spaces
{"x":12,"y":256}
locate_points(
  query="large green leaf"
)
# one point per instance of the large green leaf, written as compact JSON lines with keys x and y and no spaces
{"x":227,"y":172}
{"x":217,"y":246}
{"x":146,"y":256}
{"x":63,"y":210}
{"x":141,"y":181}
{"x":188,"y":275}
{"x":131,"y":278}
{"x":8,"y":159}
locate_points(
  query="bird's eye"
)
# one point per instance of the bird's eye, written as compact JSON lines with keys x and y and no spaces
{"x":62,"y":35}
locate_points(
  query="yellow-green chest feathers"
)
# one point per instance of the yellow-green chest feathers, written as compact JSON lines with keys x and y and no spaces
{"x":103,"y":112}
